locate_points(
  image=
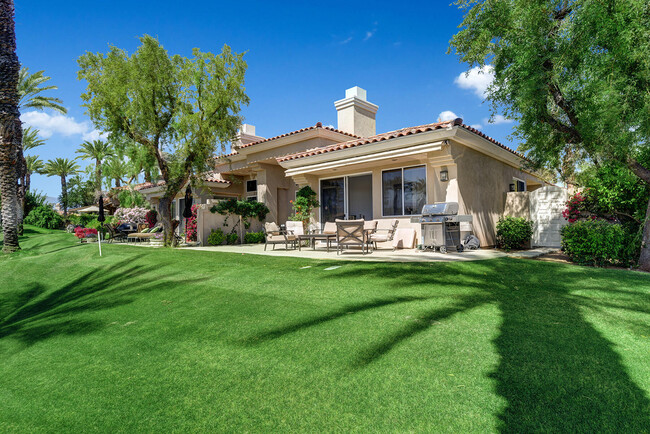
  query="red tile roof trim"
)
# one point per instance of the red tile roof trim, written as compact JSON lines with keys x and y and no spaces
{"x":392,"y":135}
{"x":211,"y":177}
{"x":318,"y":125}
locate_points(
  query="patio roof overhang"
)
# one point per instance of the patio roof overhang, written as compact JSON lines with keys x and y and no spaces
{"x":161,"y":188}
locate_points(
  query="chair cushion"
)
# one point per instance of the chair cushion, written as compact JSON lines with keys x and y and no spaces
{"x":379,"y":238}
{"x":145,"y":231}
{"x":330,"y":228}
{"x":295,"y":227}
{"x":271,"y":227}
{"x":370,"y":225}
{"x":281,"y":238}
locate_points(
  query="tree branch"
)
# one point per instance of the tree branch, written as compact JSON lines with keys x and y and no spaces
{"x":638,"y":169}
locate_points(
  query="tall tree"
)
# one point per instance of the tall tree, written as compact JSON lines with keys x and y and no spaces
{"x":574,"y":74}
{"x":32,"y":165}
{"x":97,"y":150}
{"x":62,"y":167}
{"x":10,"y":126}
{"x":31,"y":139}
{"x":176,"y":108}
{"x":30,"y":95}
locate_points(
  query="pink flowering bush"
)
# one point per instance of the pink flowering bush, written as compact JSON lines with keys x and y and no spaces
{"x":85,"y":233}
{"x":190,"y":225}
{"x":135,"y":215}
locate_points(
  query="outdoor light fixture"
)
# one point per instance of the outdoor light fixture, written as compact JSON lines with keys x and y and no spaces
{"x":444,"y":175}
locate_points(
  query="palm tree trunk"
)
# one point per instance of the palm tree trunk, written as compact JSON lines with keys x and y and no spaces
{"x":64,"y":196}
{"x":28,"y":180}
{"x":98,"y":175}
{"x":10,"y":126}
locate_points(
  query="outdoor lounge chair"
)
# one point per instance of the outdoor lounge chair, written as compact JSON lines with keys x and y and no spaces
{"x":145,"y":234}
{"x":114,"y":233}
{"x":351,"y":233}
{"x":273,"y":235}
{"x":386,"y":234}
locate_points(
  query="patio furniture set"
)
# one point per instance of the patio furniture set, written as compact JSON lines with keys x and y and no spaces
{"x":344,"y":234}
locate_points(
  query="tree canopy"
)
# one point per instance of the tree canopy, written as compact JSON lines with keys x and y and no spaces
{"x":575,"y":75}
{"x":180,"y":110}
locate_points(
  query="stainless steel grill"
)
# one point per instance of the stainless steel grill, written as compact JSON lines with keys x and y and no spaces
{"x":440,"y":224}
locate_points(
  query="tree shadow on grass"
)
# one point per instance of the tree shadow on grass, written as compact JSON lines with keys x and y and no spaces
{"x":556,"y":371}
{"x":40,"y":312}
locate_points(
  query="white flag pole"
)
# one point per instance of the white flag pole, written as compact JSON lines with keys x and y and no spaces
{"x":99,"y":238}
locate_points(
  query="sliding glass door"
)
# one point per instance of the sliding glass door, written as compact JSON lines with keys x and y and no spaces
{"x":348,"y":197}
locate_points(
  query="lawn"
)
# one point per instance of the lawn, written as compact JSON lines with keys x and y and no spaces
{"x":176,"y":340}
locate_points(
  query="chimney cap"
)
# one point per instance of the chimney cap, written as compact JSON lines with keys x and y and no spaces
{"x":356,"y":92}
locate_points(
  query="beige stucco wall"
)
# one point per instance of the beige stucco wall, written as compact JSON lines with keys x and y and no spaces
{"x":517,"y":204}
{"x":483,"y":183}
{"x":206,"y":221}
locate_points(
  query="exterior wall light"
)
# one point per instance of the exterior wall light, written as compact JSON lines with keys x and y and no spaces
{"x":444,"y":175}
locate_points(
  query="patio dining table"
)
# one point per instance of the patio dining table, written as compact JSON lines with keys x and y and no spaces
{"x":312,"y":238}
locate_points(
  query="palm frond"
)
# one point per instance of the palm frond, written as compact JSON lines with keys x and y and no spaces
{"x":31,"y":139}
{"x":61,"y":167}
{"x":30,"y":87}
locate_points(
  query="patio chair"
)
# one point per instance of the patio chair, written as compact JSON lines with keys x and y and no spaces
{"x":114,"y":233}
{"x":388,"y":228}
{"x":175,"y":226}
{"x":273,"y":235}
{"x":145,"y":233}
{"x":351,"y":233}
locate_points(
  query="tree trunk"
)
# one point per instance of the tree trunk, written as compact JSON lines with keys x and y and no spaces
{"x":644,"y":257}
{"x":98,"y":175}
{"x":117,"y":183}
{"x":165,"y":210}
{"x":10,"y":126}
{"x":64,"y":196}
{"x":28,"y":180}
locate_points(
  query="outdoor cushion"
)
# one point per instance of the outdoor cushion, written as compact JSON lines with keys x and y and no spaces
{"x":370,"y":225}
{"x":271,"y":227}
{"x":379,"y":238}
{"x":330,"y":228}
{"x":294,"y":227}
{"x":156,"y":229}
{"x":272,"y":238}
{"x":145,"y":231}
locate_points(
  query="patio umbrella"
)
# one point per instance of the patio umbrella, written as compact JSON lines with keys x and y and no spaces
{"x":187,"y":212}
{"x":101,"y":218}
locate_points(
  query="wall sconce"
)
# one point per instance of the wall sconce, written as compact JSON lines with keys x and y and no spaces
{"x":444,"y":175}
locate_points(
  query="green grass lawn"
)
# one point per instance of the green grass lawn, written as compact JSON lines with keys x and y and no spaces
{"x":177,"y":340}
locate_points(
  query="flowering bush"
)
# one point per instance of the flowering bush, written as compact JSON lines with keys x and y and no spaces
{"x":151,"y":217}
{"x":131,"y":215}
{"x":303,"y":205}
{"x":190,"y":225}
{"x":85,"y":233}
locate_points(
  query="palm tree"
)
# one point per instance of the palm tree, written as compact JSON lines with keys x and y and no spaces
{"x":30,"y":89}
{"x":31,"y":139}
{"x":62,"y":167}
{"x":33,"y":165}
{"x":116,"y":169}
{"x":10,"y":126}
{"x":96,"y":150}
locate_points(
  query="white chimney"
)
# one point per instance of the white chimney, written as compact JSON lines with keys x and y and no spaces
{"x":246,"y":135}
{"x":355,"y":114}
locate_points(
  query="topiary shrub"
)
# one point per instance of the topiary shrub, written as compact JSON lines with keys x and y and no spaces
{"x":216,"y":237}
{"x":44,"y":216}
{"x":254,"y":237}
{"x":597,"y":242}
{"x":513,"y":232}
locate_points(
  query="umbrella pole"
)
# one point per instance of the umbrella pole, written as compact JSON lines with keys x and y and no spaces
{"x":99,"y":239}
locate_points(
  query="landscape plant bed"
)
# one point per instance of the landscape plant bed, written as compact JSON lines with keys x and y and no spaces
{"x":185,"y":340}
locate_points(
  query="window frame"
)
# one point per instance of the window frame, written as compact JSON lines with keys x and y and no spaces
{"x":426,"y":188}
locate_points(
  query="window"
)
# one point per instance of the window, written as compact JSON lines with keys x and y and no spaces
{"x":251,"y":185}
{"x":404,"y":191}
{"x":517,"y":185}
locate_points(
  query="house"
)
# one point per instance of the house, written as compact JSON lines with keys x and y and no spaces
{"x":360,"y":174}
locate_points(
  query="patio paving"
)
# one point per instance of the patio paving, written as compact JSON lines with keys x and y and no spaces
{"x":381,"y":255}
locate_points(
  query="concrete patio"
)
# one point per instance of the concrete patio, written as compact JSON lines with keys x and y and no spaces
{"x":381,"y":255}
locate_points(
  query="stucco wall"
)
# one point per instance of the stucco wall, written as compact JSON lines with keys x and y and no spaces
{"x":517,"y":204}
{"x":483,"y":183}
{"x":206,"y":221}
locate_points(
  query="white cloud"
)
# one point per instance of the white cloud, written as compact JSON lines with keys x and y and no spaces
{"x":477,"y":126}
{"x":476,"y":79}
{"x":94,"y":135}
{"x":498,"y":119}
{"x":48,"y":125}
{"x":345,"y":41}
{"x":447,"y":115}
{"x":369,"y":35}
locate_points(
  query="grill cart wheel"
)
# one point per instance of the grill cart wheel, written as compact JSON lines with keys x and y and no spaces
{"x":460,"y":248}
{"x":443,"y":249}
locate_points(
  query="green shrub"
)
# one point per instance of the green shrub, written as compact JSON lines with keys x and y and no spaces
{"x":44,"y":216}
{"x":216,"y":237}
{"x":254,"y":237}
{"x":231,"y":238}
{"x":81,"y":220}
{"x":598,"y":242}
{"x":513,"y":232}
{"x":34,"y":199}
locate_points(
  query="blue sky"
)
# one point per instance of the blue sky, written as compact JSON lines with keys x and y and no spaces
{"x":301,"y":57}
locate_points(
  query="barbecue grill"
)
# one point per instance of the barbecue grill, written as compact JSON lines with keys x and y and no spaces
{"x":440,"y":225}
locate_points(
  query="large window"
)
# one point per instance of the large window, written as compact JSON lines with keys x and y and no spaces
{"x":404,"y":191}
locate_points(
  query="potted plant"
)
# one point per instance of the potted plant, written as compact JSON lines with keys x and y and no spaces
{"x":303,"y":206}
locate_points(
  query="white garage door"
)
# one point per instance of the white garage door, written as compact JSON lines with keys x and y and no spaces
{"x":546,"y":206}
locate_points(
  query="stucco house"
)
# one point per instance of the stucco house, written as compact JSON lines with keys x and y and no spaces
{"x":360,"y":174}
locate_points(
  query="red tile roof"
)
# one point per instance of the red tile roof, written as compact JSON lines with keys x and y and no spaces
{"x":392,"y":135}
{"x":318,"y":125}
{"x":209,"y":177}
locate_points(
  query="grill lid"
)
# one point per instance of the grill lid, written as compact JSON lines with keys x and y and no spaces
{"x":440,"y":208}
